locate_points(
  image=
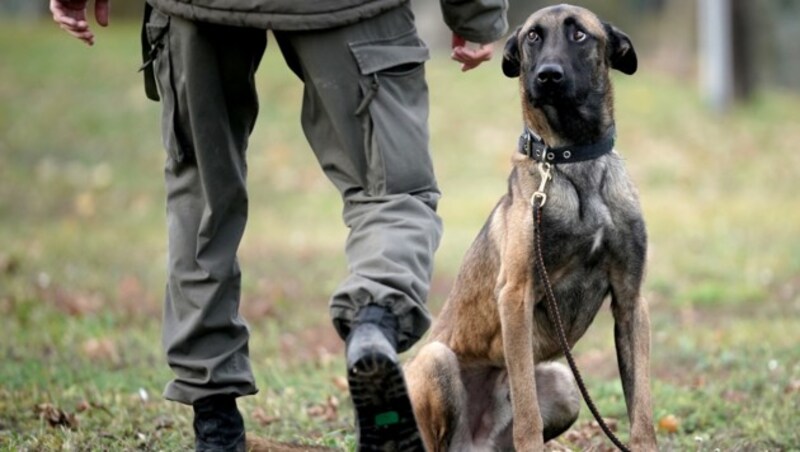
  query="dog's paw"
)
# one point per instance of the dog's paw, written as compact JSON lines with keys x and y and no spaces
{"x":529,"y":444}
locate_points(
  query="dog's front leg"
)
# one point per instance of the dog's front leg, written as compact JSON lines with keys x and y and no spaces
{"x":632,"y":337}
{"x":516,"y":320}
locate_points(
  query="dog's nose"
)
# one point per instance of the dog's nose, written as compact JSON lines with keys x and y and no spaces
{"x":550,"y":73}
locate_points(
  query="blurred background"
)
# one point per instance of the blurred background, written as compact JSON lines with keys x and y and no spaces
{"x":709,"y":127}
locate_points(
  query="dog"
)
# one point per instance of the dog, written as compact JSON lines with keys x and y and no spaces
{"x":485,"y":379}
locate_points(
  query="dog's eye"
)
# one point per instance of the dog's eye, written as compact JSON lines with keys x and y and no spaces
{"x":578,"y":36}
{"x":533,"y":36}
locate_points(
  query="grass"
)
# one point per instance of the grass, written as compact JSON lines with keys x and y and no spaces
{"x":82,"y":253}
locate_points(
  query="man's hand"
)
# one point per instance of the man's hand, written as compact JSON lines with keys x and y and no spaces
{"x":71,"y":16}
{"x":470,"y":58}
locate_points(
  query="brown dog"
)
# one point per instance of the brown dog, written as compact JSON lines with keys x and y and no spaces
{"x":485,"y":380}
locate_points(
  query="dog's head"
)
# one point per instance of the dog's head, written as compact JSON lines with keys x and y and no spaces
{"x":563,"y":54}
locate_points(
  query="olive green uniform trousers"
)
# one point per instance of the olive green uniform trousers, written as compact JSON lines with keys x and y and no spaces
{"x":365,"y":113}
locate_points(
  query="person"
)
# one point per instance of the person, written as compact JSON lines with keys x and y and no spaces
{"x":364,"y":113}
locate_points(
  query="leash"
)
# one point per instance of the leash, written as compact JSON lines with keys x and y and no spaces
{"x":538,"y":200}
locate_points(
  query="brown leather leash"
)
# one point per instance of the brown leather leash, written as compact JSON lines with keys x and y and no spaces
{"x":537,"y":203}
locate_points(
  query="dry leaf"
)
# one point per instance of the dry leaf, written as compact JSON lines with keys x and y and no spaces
{"x":74,"y":304}
{"x":264,"y":419}
{"x":669,"y":424}
{"x":734,"y":396}
{"x":324,"y":357}
{"x":85,"y":205}
{"x":82,"y":406}
{"x":8,"y":264}
{"x":341,"y":383}
{"x":611,"y":423}
{"x":56,"y":417}
{"x":328,"y":411}
{"x":100,"y":349}
{"x":164,"y":422}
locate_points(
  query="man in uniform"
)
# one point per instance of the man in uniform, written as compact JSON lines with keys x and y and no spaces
{"x":365,"y":111}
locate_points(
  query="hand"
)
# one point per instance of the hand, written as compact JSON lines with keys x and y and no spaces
{"x":71,"y":16}
{"x":470,"y":58}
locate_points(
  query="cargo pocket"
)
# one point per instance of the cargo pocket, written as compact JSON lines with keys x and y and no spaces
{"x":158,"y":36}
{"x":394,"y":114}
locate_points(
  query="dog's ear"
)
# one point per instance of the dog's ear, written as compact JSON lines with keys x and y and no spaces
{"x":620,"y":50}
{"x":511,"y":56}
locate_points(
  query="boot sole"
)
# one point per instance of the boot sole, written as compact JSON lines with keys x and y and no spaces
{"x":385,"y":418}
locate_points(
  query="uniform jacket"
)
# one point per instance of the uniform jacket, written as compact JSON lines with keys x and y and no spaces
{"x":480,"y":21}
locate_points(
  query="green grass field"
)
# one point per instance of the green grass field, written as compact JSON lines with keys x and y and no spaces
{"x":83,"y":252}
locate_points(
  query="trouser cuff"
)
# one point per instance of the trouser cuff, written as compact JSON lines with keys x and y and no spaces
{"x":181,"y":392}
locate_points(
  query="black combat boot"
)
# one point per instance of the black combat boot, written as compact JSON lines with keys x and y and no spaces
{"x":384,"y":417}
{"x":218,"y":425}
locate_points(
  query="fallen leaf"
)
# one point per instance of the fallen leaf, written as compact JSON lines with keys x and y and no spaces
{"x":130,"y":288}
{"x":324,"y":357}
{"x":584,"y":436}
{"x":328,"y":411}
{"x":85,"y":205}
{"x":71,"y":303}
{"x":8,"y":264}
{"x":264,"y":419}
{"x":100,"y":406}
{"x":100,"y":349}
{"x":611,"y":423}
{"x":734,"y":396}
{"x":669,"y":424}
{"x":341,"y":383}
{"x":164,"y":422}
{"x":56,"y":417}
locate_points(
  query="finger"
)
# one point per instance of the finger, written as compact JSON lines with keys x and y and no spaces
{"x":85,"y":36}
{"x":472,"y":56}
{"x":475,"y":54}
{"x":64,"y":20}
{"x":101,"y":12}
{"x":464,"y":54}
{"x":60,"y":15}
{"x":75,"y":26}
{"x":72,"y":23}
{"x":78,"y":33}
{"x":71,"y":19}
{"x":460,"y":59}
{"x":469,"y":66}
{"x":75,"y":11}
{"x":484,"y":53}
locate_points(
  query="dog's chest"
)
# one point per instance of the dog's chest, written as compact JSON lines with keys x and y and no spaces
{"x":585,"y":233}
{"x":577,"y":232}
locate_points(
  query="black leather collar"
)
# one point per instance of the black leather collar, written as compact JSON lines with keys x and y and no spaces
{"x":534,"y":147}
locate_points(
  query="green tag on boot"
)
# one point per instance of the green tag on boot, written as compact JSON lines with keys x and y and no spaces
{"x":387,"y":418}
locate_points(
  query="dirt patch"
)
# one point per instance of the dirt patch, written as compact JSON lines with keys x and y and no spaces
{"x":256,"y":444}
